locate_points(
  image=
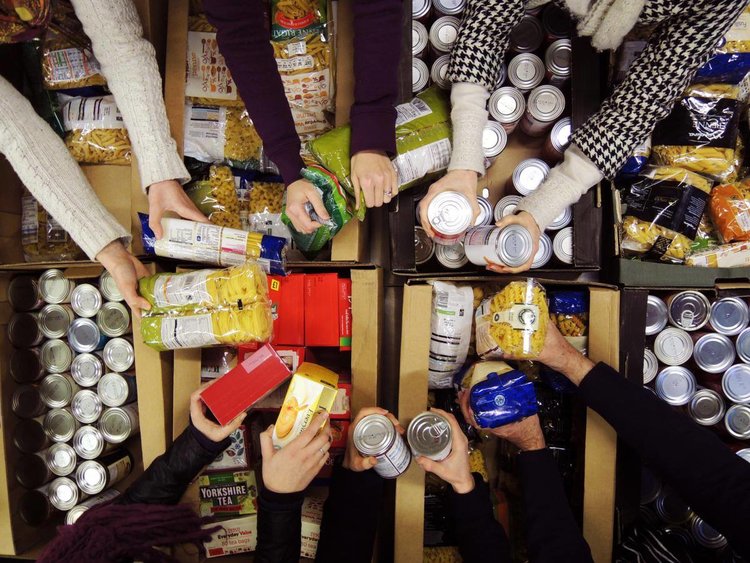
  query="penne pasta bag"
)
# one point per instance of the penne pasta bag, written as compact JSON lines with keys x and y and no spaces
{"x":296,"y":18}
{"x":94,"y":130}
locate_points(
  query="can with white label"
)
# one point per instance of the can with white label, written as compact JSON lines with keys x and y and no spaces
{"x":93,"y":476}
{"x":63,"y":493}
{"x":512,"y":245}
{"x":689,"y":310}
{"x":544,"y":106}
{"x":526,"y":72}
{"x":89,"y":443}
{"x":56,"y":356}
{"x":424,"y":247}
{"x":452,"y":257}
{"x":119,"y":355}
{"x":657,"y":315}
{"x":54,"y":287}
{"x":87,"y":369}
{"x":443,"y":34}
{"x":60,"y":425}
{"x":61,"y":459}
{"x":562,"y":220}
{"x":529,"y":175}
{"x":114,"y":320}
{"x":562,"y":245}
{"x":25,"y":330}
{"x":449,"y":7}
{"x":675,"y":385}
{"x":527,"y":35}
{"x":673,"y":346}
{"x":558,"y":140}
{"x":507,"y":106}
{"x":29,"y":436}
{"x":729,"y":316}
{"x":485,"y":216}
{"x":86,"y":336}
{"x":420,"y":76}
{"x":78,"y":510}
{"x":117,"y":424}
{"x":736,"y":383}
{"x":108,"y":287}
{"x":650,"y":366}
{"x":117,"y":389}
{"x":439,"y":72}
{"x":706,"y":407}
{"x":86,"y":300}
{"x":54,"y":320}
{"x":544,"y":253}
{"x":430,"y":435}
{"x":57,"y":390}
{"x":713,"y":353}
{"x":25,"y":365}
{"x":419,"y":39}
{"x":375,"y":435}
{"x":450,"y":215}
{"x":86,"y":406}
{"x":23,"y":294}
{"x":737,"y":421}
{"x":26,"y":402}
{"x":494,"y":140}
{"x":557,"y":60}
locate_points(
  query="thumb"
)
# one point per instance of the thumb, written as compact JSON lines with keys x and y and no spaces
{"x":507,"y":220}
{"x":140,"y":270}
{"x":191,"y":212}
{"x":266,"y":443}
{"x":154,"y":222}
{"x":426,"y":464}
{"x":370,"y":462}
{"x":317,"y":203}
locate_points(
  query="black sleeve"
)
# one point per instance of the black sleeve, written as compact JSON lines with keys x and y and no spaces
{"x":480,"y":536}
{"x":279,"y":527}
{"x":706,"y":474}
{"x":551,"y":531}
{"x":167,"y":478}
{"x":353,"y":506}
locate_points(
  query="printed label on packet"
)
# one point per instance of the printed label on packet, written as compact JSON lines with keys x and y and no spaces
{"x":30,"y":221}
{"x":71,"y":65}
{"x":187,"y":240}
{"x":188,"y":332}
{"x":416,"y":164}
{"x":92,"y":113}
{"x":296,"y":63}
{"x":208,"y":75}
{"x":184,"y":289}
{"x":233,"y":247}
{"x":413,"y":110}
{"x":205,"y":132}
{"x":519,"y":317}
{"x":119,"y":470}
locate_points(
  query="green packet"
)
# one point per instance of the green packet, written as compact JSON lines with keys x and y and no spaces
{"x":423,"y":142}
{"x":337,"y":205}
{"x":228,"y":494}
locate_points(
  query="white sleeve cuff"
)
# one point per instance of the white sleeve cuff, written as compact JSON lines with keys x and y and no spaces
{"x":468,"y":118}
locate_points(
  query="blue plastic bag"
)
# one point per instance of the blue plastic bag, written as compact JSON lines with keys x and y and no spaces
{"x":503,"y":399}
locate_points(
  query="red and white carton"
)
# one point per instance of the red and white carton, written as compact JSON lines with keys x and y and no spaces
{"x":345,"y":314}
{"x":312,"y":516}
{"x":342,"y":405}
{"x":322,"y":310}
{"x":239,"y":535}
{"x":288,"y":307}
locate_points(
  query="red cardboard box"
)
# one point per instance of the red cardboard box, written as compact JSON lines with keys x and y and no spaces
{"x":288,"y":306}
{"x":257,"y":376}
{"x":342,"y":409}
{"x":345,"y":314}
{"x":322,"y":310}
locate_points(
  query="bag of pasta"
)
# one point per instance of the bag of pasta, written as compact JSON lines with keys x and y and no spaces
{"x":297,"y":18}
{"x":94,"y":130}
{"x":216,"y":197}
{"x":262,"y":203}
{"x":702,"y":133}
{"x":729,"y":208}
{"x":219,"y":134}
{"x":664,"y":210}
{"x":569,"y":312}
{"x":42,"y":238}
{"x":513,"y":322}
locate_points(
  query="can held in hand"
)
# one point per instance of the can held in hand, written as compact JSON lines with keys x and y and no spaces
{"x":705,"y":535}
{"x":562,"y":220}
{"x":494,"y":140}
{"x":736,"y":383}
{"x":56,"y":356}
{"x":526,"y":72}
{"x":86,"y":300}
{"x":706,"y":407}
{"x":529,"y":175}
{"x":443,"y":34}
{"x":713,"y":353}
{"x":93,"y":476}
{"x":420,"y":76}
{"x":29,"y":436}
{"x":506,"y":206}
{"x":375,"y":435}
{"x":25,"y":365}
{"x":77,"y":511}
{"x":85,"y":336}
{"x":439,"y":72}
{"x":729,"y":316}
{"x":61,"y":459}
{"x":87,"y":369}
{"x":117,"y":424}
{"x":544,"y":106}
{"x":689,"y":310}
{"x":430,"y":435}
{"x":54,"y":320}
{"x":673,"y":346}
{"x":117,"y":389}
{"x":511,"y":245}
{"x":23,"y":294}
{"x":63,"y":493}
{"x":544,"y":254}
{"x":119,"y":355}
{"x":557,"y":61}
{"x":114,"y":320}
{"x":558,"y":140}
{"x":89,"y":443}
{"x":485,"y":212}
{"x":675,"y":385}
{"x":57,"y":390}
{"x":650,"y":366}
{"x":737,"y":421}
{"x":86,"y":406}
{"x":657,"y":315}
{"x":507,"y":106}
{"x":452,"y":257}
{"x":527,"y":36}
{"x":54,"y":287}
{"x":449,"y":7}
{"x":60,"y":425}
{"x":419,"y":39}
{"x":450,"y":215}
{"x":424,"y":248}
{"x":25,"y":330}
{"x":26,"y":402}
{"x":108,"y":287}
{"x":562,"y":246}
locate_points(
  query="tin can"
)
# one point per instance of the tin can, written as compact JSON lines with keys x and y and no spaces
{"x":502,"y":76}
{"x":713,"y":353}
{"x":87,"y":369}
{"x":25,"y":365}
{"x":114,"y":320}
{"x":25,"y":330}
{"x":108,"y":287}
{"x":742,"y":344}
{"x":673,"y":346}
{"x":86,"y":300}
{"x":60,"y":425}
{"x":511,"y":245}
{"x":439,"y":72}
{"x":443,"y":34}
{"x":117,"y":424}
{"x":86,"y":406}
{"x":562,"y":246}
{"x":657,"y":315}
{"x":34,"y":507}
{"x":119,"y":355}
{"x":85,"y":336}
{"x":729,"y":316}
{"x":429,"y":435}
{"x":650,"y":366}
{"x":29,"y":436}
{"x":450,"y":215}
{"x":558,"y":140}
{"x":544,"y":253}
{"x":72,"y":516}
{"x":61,"y":459}
{"x":63,"y":493}
{"x":117,"y":389}
{"x":507,"y":106}
{"x":57,"y":390}
{"x":744,"y":454}
{"x":705,"y":535}
{"x":556,"y":23}
{"x":56,"y":356}
{"x":420,"y":76}
{"x":529,"y":175}
{"x":89,"y":443}
{"x":671,"y":508}
{"x":54,"y":287}
{"x":737,"y":421}
{"x":494,"y":139}
{"x":93,"y":476}
{"x":32,"y":470}
{"x":23,"y":294}
{"x":375,"y":435}
{"x":650,"y":487}
{"x":675,"y":385}
{"x":544,"y":106}
{"x":527,"y":36}
{"x":506,"y":206}
{"x":26,"y":402}
{"x":526,"y":72}
{"x":452,"y":257}
{"x":485,"y":212}
{"x":424,"y":248}
{"x":689,"y":310}
{"x":706,"y":407}
{"x":562,"y":220}
{"x":736,"y":383}
{"x":419,"y":39}
{"x":54,"y":320}
{"x":557,"y":61}
{"x":449,"y":7}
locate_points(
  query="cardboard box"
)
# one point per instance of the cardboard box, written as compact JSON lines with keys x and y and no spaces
{"x":228,"y":494}
{"x":239,"y":535}
{"x":345,"y":314}
{"x":322,"y":310}
{"x":312,"y":516}
{"x":288,"y":297}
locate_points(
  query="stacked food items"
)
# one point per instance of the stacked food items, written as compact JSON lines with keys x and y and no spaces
{"x":75,"y":397}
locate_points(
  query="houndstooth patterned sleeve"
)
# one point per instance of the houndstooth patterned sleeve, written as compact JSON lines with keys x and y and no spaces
{"x":676,"y":49}
{"x":483,"y":40}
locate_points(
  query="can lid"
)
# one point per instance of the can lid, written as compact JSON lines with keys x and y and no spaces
{"x":689,"y":310}
{"x":60,"y":425}
{"x":439,"y":72}
{"x":72,"y":516}
{"x":672,"y":509}
{"x":420,"y":8}
{"x":494,"y":139}
{"x":450,"y":213}
{"x":86,"y":369}
{"x":527,"y":35}
{"x":63,"y":493}
{"x":673,"y":346}
{"x":546,"y":103}
{"x":374,"y":434}
{"x":444,"y":32}
{"x":420,"y":75}
{"x":656,"y":315}
{"x":714,"y":353}
{"x":113,"y":319}
{"x":729,"y":316}
{"x":61,"y":459}
{"x":558,"y":57}
{"x":88,"y":442}
{"x":736,"y":383}
{"x":506,"y":206}
{"x":650,"y":366}
{"x":113,"y":389}
{"x":705,"y":535}
{"x":108,"y":287}
{"x":743,"y":345}
{"x":56,"y":356}
{"x":91,"y":477}
{"x":544,"y":253}
{"x":84,"y":335}
{"x":560,"y":134}
{"x":675,"y":385}
{"x":424,"y":249}
{"x":24,"y":329}
{"x":86,"y":300}
{"x":54,"y":321}
{"x":419,"y":37}
{"x":737,"y":421}
{"x":507,"y":105}
{"x":563,"y":245}
{"x":451,"y":256}
{"x":744,"y":454}
{"x":526,"y":71}
{"x":429,"y":434}
{"x":115,"y":425}
{"x":514,"y":245}
{"x":56,"y":390}
{"x":23,"y":293}
{"x":54,"y":287}
{"x":119,"y":354}
{"x":449,"y":7}
{"x":485,"y":212}
{"x":529,"y":175}
{"x":706,"y":407}
{"x":86,"y":406}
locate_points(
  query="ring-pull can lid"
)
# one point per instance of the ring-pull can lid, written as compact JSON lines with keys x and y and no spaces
{"x":689,"y":310}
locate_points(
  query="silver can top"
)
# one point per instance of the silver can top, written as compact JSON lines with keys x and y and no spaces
{"x":56,"y":356}
{"x":113,"y":389}
{"x":544,"y":254}
{"x":57,"y":390}
{"x":729,"y":316}
{"x":527,"y":35}
{"x":558,"y":57}
{"x":449,"y":7}
{"x":494,"y":139}
{"x":675,"y":385}
{"x":671,"y":508}
{"x":744,"y":454}
{"x":54,"y":287}
{"x":507,"y":105}
{"x":563,"y":245}
{"x":88,"y":442}
{"x":420,"y":75}
{"x":61,"y":459}
{"x":373,"y":435}
{"x":86,"y":406}
{"x":119,"y":355}
{"x":429,"y":434}
{"x":419,"y":38}
{"x":108,"y":287}
{"x":706,"y":407}
{"x":546,"y":103}
{"x":54,"y":320}
{"x":86,"y":300}
{"x":529,"y":175}
{"x":60,"y":425}
{"x":450,"y":213}
{"x":63,"y":493}
{"x":705,"y":535}
{"x":117,"y":424}
{"x":506,"y":206}
{"x":657,"y":316}
{"x":650,"y":366}
{"x":84,"y":336}
{"x":526,"y":71}
{"x":424,"y":249}
{"x":673,"y":346}
{"x":689,"y":310}
{"x":560,"y":134}
{"x":742,"y":344}
{"x":439,"y":72}
{"x":485,"y":212}
{"x":714,"y":353}
{"x":87,"y":369}
{"x":736,"y":383}
{"x":451,"y":256}
{"x":562,"y":220}
{"x":514,"y":246}
{"x":113,"y":320}
{"x":737,"y":421}
{"x":444,"y":32}
{"x":91,"y":477}
{"x":72,"y":515}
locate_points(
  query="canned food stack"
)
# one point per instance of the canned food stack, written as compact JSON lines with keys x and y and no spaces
{"x":75,"y":398}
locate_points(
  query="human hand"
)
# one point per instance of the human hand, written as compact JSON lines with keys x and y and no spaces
{"x":526,"y":220}
{"x":557,"y":353}
{"x":353,"y":460}
{"x":211,"y":430}
{"x":291,"y":468}
{"x":126,"y":270}
{"x":169,"y":196}
{"x":454,"y":469}
{"x":461,"y":181}
{"x":374,"y":176}
{"x":297,"y":195}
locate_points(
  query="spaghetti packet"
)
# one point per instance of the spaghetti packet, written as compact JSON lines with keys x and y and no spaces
{"x":95,"y":131}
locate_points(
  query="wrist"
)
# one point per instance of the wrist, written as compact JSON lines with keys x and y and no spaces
{"x":464,"y":485}
{"x":112,"y":250}
{"x":575,"y":366}
{"x":532,"y":444}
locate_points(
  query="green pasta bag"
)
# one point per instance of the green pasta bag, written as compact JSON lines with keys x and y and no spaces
{"x":335,"y":201}
{"x":423,"y":143}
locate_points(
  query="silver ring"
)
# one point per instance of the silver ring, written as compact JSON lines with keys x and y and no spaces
{"x":322,"y":451}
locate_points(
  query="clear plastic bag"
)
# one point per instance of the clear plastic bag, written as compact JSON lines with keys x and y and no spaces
{"x":569,"y":312}
{"x":217,"y":198}
{"x":95,"y":131}
{"x":729,"y":208}
{"x":452,"y":308}
{"x":42,"y":238}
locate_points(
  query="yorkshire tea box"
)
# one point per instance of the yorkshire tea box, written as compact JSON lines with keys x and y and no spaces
{"x":239,"y":535}
{"x":228,"y":494}
{"x":312,"y":389}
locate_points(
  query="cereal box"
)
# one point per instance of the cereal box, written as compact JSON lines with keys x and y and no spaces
{"x":228,"y":494}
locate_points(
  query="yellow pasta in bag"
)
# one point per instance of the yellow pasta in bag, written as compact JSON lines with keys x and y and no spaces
{"x":42,"y":238}
{"x":95,"y":131}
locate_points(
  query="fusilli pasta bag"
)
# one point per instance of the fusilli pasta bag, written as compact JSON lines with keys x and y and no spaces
{"x":216,"y":197}
{"x":94,"y":130}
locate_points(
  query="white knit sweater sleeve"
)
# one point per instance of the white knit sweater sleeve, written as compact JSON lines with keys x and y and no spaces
{"x":468,"y":118}
{"x":128,"y":63}
{"x":44,"y":165}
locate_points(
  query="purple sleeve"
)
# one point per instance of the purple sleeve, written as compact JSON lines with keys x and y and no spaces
{"x":245,"y":44}
{"x":377,"y":46}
